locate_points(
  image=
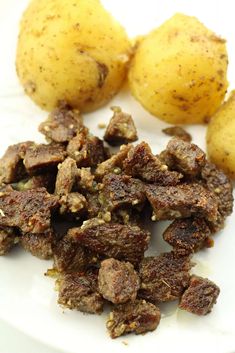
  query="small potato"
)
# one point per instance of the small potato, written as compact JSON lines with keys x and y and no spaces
{"x":221,"y":137}
{"x":178,"y":72}
{"x":73,"y":51}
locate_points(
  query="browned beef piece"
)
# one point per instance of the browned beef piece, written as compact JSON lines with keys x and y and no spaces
{"x":9,"y":237}
{"x":93,"y":204}
{"x":37,"y":181}
{"x":121,"y":128}
{"x":114,"y":164}
{"x":185,"y":157}
{"x":62,"y":124}
{"x":141,"y":163}
{"x":218,"y":183}
{"x":178,"y":131}
{"x":164,"y":277}
{"x":11,"y":163}
{"x":69,"y":256}
{"x":73,"y":203}
{"x":30,"y":210}
{"x":123,"y":242}
{"x":39,"y":245}
{"x":86,"y":180}
{"x":121,"y":190}
{"x":87,"y":150}
{"x":79,"y":291}
{"x":200,"y":296}
{"x":139,"y":317}
{"x":188,"y":235}
{"x":118,"y":282}
{"x":43,"y":157}
{"x":66,"y":177}
{"x":182,"y":201}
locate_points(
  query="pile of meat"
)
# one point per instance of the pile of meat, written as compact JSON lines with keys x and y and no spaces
{"x":104,"y":200}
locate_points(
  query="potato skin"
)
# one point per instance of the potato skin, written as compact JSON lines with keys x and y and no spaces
{"x":71,"y":50}
{"x":221,"y":136}
{"x":178,"y":72}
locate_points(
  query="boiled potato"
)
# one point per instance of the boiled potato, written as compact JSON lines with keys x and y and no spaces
{"x":178,"y":72}
{"x":221,"y":137}
{"x":73,"y":51}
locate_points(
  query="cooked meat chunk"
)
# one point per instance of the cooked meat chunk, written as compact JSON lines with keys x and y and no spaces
{"x":87,"y":150}
{"x":114,"y":164}
{"x":185,"y":157}
{"x":178,"y":131}
{"x":66,"y":177}
{"x":8,"y":239}
{"x":138,"y":317}
{"x":86,"y":180}
{"x":141,"y":163}
{"x":123,"y":242}
{"x":118,"y":282}
{"x":62,"y":124}
{"x":37,"y":181}
{"x":121,"y":128}
{"x":11,"y":163}
{"x":182,"y":201}
{"x":164,"y":277}
{"x":73,"y":203}
{"x":200,"y":296}
{"x":121,"y":190}
{"x":79,"y":291}
{"x":42,"y":157}
{"x":69,"y":256}
{"x":218,"y":183}
{"x":39,"y":245}
{"x":30,"y":210}
{"x":93,"y":204}
{"x":188,"y":235}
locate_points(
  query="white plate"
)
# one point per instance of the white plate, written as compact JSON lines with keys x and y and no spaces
{"x":27,"y":298}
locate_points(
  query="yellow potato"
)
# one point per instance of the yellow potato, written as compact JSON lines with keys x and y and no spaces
{"x":221,"y":137}
{"x":178,"y":72}
{"x":71,"y":50}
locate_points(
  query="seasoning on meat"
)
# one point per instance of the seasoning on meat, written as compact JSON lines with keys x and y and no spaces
{"x":39,"y":245}
{"x":114,"y":164}
{"x":62,"y":124}
{"x":11,"y":164}
{"x":218,"y":183}
{"x":182,"y":201}
{"x":118,"y":282}
{"x":69,"y":256}
{"x":66,"y":176}
{"x":78,"y":291}
{"x":138,"y":317}
{"x":123,"y":242}
{"x":93,"y":205}
{"x":164,"y":277}
{"x":86,"y":180}
{"x":200,"y":296}
{"x":178,"y":131}
{"x":43,"y":157}
{"x":121,"y":190}
{"x":9,"y":237}
{"x":73,"y":203}
{"x":87,"y":150}
{"x":46,"y":180}
{"x":121,"y":128}
{"x":188,"y":235}
{"x":141,"y":163}
{"x":30,"y":210}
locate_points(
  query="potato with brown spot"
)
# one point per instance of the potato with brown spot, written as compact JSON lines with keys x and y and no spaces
{"x":73,"y":51}
{"x":178,"y":72}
